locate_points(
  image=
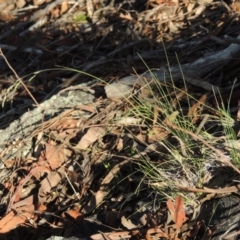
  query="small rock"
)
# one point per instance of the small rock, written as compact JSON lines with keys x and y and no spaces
{"x":118,"y":90}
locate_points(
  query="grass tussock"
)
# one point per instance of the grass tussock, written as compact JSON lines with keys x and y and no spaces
{"x":186,"y":137}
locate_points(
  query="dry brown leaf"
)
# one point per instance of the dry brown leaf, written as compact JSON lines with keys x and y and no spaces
{"x":17,"y":195}
{"x":97,"y":236}
{"x":55,"y":155}
{"x":120,"y":144}
{"x":65,"y":127}
{"x":9,"y":187}
{"x":76,"y":215}
{"x":111,"y":236}
{"x":127,"y":223}
{"x":126,"y":16}
{"x":195,"y":111}
{"x":65,"y":123}
{"x":48,"y":183}
{"x":73,"y":176}
{"x":90,"y":137}
{"x":9,"y":163}
{"x":20,"y":3}
{"x":55,"y":12}
{"x":141,"y":137}
{"x":64,"y":7}
{"x":177,"y":211}
{"x":157,"y":134}
{"x":39,"y":171}
{"x":103,"y":191}
{"x":38,"y":2}
{"x":28,"y":204}
{"x":13,"y":220}
{"x":154,"y":232}
{"x":41,"y":207}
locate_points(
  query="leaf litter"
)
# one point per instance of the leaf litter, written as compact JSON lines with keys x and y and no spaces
{"x":70,"y":149}
{"x":124,"y":169}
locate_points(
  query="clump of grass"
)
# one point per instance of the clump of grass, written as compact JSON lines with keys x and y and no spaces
{"x":229,"y":133}
{"x":180,"y":161}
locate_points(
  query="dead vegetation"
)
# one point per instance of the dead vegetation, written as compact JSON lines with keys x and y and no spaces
{"x":120,"y":155}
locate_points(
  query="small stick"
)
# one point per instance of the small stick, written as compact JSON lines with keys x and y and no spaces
{"x":1,"y":54}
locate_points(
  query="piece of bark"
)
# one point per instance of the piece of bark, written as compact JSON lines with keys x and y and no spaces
{"x":22,"y":128}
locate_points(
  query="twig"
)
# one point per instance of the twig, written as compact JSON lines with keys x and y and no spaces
{"x":1,"y":54}
{"x":199,"y":128}
{"x":27,"y":50}
{"x":75,"y":192}
{"x":102,"y":60}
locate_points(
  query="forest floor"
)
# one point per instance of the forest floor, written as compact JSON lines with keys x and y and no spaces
{"x":142,"y":141}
